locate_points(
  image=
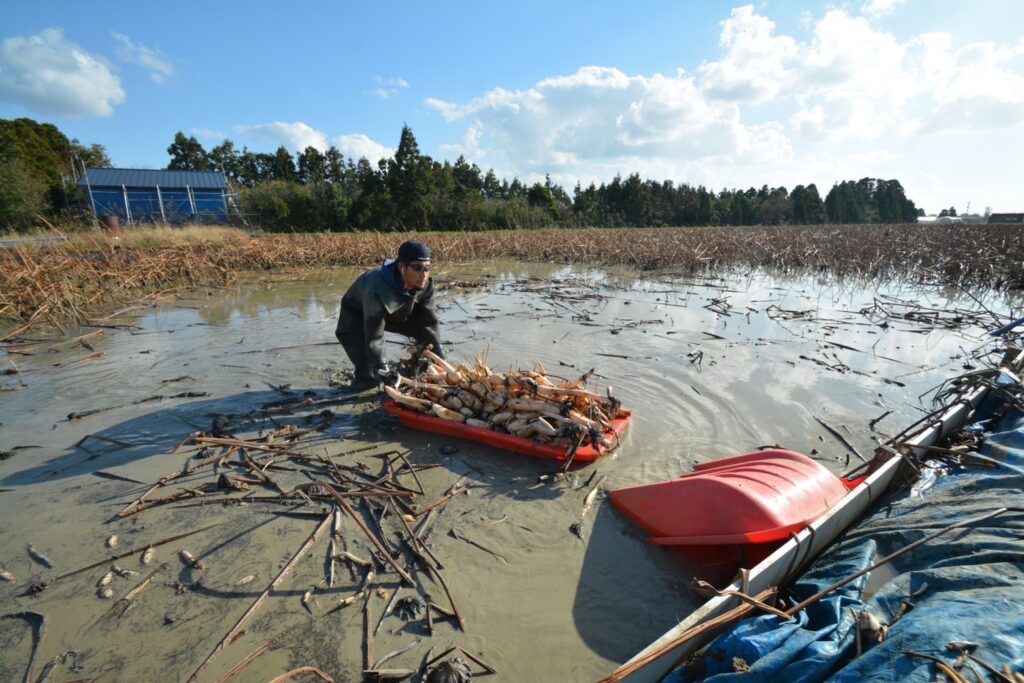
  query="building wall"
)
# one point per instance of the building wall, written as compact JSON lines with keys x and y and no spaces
{"x":1006,"y":218}
{"x":145,"y":204}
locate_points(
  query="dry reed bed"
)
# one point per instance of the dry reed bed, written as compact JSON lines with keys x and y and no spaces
{"x":86,"y":275}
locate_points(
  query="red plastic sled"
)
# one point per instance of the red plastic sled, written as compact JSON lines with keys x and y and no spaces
{"x":742,"y":507}
{"x":508,"y":442}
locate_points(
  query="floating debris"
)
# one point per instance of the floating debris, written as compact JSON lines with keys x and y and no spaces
{"x":39,"y":557}
{"x":410,"y":607}
{"x":112,"y":541}
{"x":577,"y":526}
{"x":454,"y":670}
{"x":190,"y":559}
{"x":307,"y":597}
{"x":870,"y":628}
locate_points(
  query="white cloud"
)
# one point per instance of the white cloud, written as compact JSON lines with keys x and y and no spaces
{"x":852,"y":80}
{"x":298,"y":136}
{"x":600,"y":121}
{"x":295,"y":136}
{"x":388,"y":87}
{"x":51,"y":75}
{"x":358,"y":146}
{"x":843,"y":99}
{"x":208,"y":134}
{"x":879,"y":8}
{"x":392,"y":82}
{"x":468,"y":148}
{"x":766,"y":142}
{"x":974,"y":87}
{"x":150,"y":59}
{"x":755,"y":66}
{"x":856,"y":81}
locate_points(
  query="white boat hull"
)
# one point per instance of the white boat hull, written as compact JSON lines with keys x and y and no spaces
{"x":790,"y":558}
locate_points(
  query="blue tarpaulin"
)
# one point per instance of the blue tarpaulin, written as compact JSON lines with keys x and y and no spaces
{"x":964,"y":585}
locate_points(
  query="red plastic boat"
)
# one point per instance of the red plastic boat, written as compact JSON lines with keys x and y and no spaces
{"x":508,"y":442}
{"x":735,"y":511}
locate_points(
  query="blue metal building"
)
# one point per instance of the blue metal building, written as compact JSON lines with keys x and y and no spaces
{"x":141,"y":195}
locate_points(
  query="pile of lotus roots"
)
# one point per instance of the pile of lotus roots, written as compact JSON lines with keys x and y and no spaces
{"x":526,"y":403}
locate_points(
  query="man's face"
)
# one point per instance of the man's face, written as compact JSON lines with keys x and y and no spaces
{"x":415,"y":273}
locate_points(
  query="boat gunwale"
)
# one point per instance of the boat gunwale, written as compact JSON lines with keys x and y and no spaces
{"x":784,"y":563}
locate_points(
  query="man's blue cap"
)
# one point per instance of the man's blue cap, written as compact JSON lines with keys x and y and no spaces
{"x":412,"y":250}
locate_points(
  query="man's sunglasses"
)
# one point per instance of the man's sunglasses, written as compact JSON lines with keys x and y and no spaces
{"x":420,"y":267}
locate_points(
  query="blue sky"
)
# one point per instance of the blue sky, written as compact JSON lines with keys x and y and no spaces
{"x":713,"y":93}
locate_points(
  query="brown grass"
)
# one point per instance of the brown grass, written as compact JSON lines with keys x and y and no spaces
{"x":88,"y":274}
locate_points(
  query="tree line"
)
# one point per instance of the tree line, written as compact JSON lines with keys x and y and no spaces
{"x":38,"y":169}
{"x":316,"y":190}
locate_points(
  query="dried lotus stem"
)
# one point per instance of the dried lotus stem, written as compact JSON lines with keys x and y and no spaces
{"x":583,"y":393}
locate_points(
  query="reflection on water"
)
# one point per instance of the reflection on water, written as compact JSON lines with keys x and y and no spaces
{"x":710,"y":366}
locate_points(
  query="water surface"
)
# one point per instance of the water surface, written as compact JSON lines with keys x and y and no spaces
{"x":710,"y":366}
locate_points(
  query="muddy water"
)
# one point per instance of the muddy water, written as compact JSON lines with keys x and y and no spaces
{"x":710,"y":366}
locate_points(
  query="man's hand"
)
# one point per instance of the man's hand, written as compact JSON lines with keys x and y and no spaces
{"x":387,"y":375}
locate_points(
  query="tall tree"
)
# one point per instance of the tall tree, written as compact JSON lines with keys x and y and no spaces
{"x":282,"y":166}
{"x":187,"y":154}
{"x":408,"y":183}
{"x":371,"y":206}
{"x":46,"y":158}
{"x":893,"y":205}
{"x":22,"y":196}
{"x":705,"y":206}
{"x":540,"y":196}
{"x":776,"y":207}
{"x":466,"y":175}
{"x":808,"y":208}
{"x":312,"y":167}
{"x":334,"y":166}
{"x":91,"y":156}
{"x":249,"y":169}
{"x":491,"y":186}
{"x":44,"y":151}
{"x":226,"y":159}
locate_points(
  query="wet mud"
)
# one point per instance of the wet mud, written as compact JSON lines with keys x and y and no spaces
{"x":710,"y":367}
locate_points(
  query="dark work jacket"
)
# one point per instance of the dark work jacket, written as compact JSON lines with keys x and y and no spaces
{"x":376,"y":302}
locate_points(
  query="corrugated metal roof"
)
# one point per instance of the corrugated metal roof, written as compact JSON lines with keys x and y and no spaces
{"x":140,"y":177}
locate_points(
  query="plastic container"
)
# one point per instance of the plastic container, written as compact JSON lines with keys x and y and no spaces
{"x":755,"y":498}
{"x":508,"y":442}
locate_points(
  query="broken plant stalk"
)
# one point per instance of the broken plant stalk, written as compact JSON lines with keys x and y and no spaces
{"x":263,"y":596}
